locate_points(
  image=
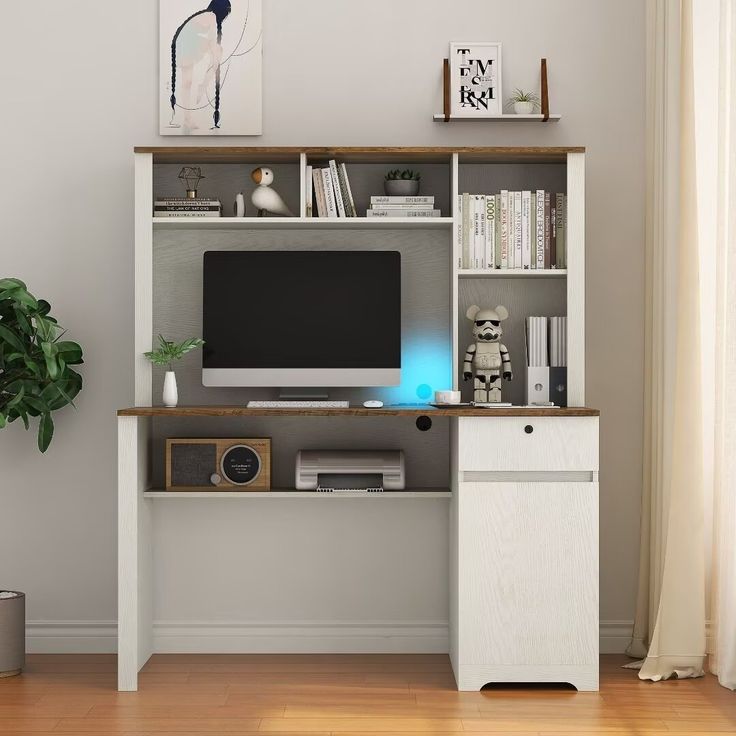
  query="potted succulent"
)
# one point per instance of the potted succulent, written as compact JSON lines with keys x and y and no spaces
{"x":524,"y":103}
{"x":167,"y":354}
{"x":36,"y":379}
{"x":402,"y":183}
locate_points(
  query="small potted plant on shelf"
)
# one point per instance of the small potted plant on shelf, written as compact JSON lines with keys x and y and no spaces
{"x":402,"y":183}
{"x":524,"y":103}
{"x":167,"y":354}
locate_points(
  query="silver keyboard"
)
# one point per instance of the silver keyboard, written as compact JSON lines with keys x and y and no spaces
{"x":298,"y":405}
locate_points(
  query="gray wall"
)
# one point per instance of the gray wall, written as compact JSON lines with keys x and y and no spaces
{"x":84,"y":92}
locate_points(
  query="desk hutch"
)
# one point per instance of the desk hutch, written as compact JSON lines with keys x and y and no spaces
{"x":516,"y":487}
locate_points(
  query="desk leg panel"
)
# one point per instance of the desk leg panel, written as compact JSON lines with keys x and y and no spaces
{"x":134,"y":553}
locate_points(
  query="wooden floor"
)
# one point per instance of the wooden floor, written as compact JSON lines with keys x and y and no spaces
{"x":341,"y":694}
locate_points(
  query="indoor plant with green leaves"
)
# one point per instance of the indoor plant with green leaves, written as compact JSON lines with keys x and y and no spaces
{"x":524,"y":103}
{"x":167,"y":354}
{"x":36,"y":377}
{"x":404,"y":183}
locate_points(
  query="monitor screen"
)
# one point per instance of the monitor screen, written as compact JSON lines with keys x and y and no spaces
{"x":302,"y":318}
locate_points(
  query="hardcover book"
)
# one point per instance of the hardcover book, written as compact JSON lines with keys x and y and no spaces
{"x":337,"y":189}
{"x":386,"y":199}
{"x":319,"y":193}
{"x":539,"y":231}
{"x":377,"y":212}
{"x":329,"y":192}
{"x":347,"y":191}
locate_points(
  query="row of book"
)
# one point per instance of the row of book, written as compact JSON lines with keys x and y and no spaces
{"x":187,"y":207}
{"x":511,"y":229}
{"x":406,"y":206}
{"x":546,"y":342}
{"x":329,"y":188}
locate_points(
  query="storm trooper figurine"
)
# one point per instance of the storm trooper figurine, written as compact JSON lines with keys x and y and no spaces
{"x":489,"y":357}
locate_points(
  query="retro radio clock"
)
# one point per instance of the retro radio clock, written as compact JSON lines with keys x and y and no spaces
{"x":241,"y":464}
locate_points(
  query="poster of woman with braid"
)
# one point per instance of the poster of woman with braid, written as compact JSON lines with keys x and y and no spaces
{"x":211,"y":55}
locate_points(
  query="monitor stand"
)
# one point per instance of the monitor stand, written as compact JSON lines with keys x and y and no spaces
{"x":303,"y":394}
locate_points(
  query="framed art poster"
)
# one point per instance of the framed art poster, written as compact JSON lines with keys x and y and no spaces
{"x":210,"y":67}
{"x":475,"y":80}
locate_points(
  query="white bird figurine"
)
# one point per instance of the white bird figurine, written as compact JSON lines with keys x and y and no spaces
{"x":264,"y":198}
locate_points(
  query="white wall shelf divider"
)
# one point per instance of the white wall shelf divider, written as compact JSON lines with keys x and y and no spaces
{"x":301,"y":223}
{"x":511,"y":273}
{"x":296,"y":495}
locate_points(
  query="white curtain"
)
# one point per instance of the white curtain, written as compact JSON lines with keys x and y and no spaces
{"x":723,"y":600}
{"x":670,"y":621}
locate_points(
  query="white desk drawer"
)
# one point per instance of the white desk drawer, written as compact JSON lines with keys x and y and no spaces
{"x":545,"y":444}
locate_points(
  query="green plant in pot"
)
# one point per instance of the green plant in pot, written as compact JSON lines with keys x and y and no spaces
{"x":524,"y":103}
{"x":167,"y":354}
{"x":402,"y":183}
{"x":36,"y":379}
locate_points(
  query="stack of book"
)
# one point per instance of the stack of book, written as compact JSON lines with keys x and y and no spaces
{"x":520,"y":230}
{"x":187,"y":207}
{"x":546,"y":360}
{"x":329,"y":187}
{"x":417,"y":206}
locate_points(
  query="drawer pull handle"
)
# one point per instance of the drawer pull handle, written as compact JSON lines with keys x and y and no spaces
{"x":528,"y":429}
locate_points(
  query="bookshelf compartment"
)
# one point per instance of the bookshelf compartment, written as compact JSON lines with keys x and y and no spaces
{"x":491,"y":178}
{"x":523,"y":297}
{"x":366,"y":180}
{"x":224,"y":181}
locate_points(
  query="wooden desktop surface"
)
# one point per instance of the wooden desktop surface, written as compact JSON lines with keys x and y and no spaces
{"x":358,"y":411}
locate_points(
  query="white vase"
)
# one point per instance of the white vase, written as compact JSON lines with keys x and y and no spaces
{"x":239,"y":206}
{"x":523,"y":108}
{"x":171,"y":395}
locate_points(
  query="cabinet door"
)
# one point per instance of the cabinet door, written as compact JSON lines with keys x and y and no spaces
{"x":528,"y":573}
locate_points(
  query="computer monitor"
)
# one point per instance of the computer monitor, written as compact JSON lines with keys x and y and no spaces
{"x":302,"y":318}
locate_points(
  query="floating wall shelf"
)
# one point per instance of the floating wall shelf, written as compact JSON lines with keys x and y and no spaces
{"x":439,"y":117}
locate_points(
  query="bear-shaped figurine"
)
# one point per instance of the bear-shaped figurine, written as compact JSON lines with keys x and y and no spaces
{"x":487,"y":355}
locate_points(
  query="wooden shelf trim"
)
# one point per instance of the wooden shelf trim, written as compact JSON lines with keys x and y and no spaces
{"x":350,"y":150}
{"x":353,"y":154}
{"x":357,"y":411}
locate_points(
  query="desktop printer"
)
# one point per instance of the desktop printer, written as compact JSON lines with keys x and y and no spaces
{"x":333,"y":471}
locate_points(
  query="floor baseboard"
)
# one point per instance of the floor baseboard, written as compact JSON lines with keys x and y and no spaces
{"x":412,"y":637}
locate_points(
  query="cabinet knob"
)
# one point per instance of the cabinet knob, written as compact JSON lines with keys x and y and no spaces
{"x":528,"y":429}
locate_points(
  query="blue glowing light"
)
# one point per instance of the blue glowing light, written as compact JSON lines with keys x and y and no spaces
{"x":425,"y":368}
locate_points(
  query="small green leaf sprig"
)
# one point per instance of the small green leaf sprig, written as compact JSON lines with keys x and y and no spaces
{"x":169,"y":352}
